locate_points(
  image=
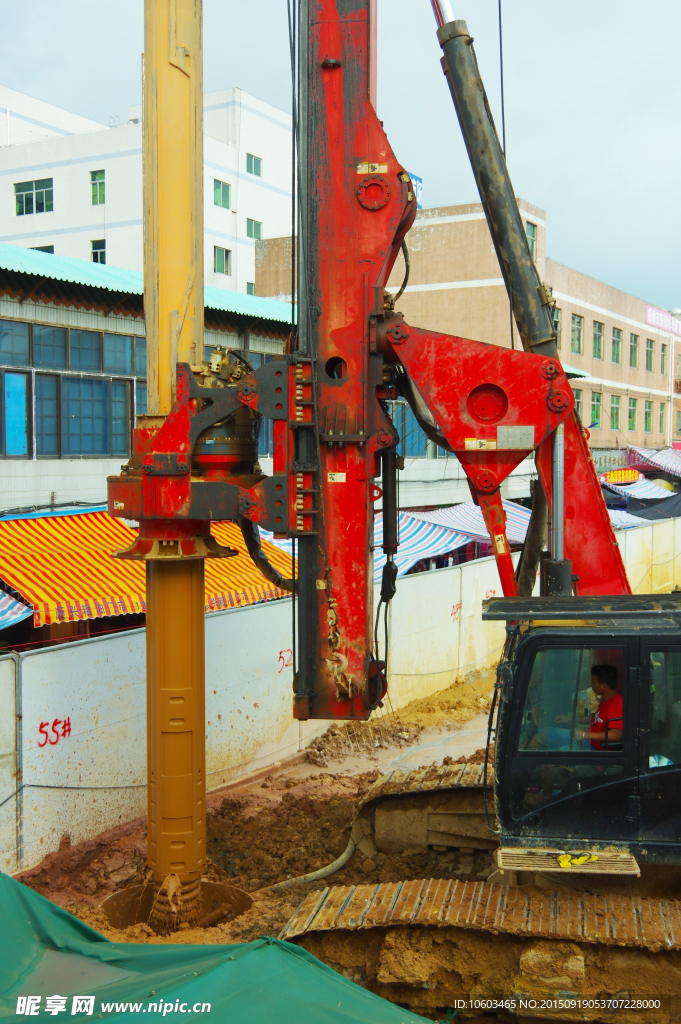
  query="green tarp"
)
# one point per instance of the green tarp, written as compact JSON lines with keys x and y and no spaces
{"x":48,"y":955}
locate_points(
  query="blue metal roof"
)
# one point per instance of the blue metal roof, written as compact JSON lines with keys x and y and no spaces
{"x":117,"y":279}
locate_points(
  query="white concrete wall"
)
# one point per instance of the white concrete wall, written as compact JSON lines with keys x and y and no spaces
{"x":28,"y":482}
{"x":442,"y":481}
{"x":235,"y":124}
{"x":8,"y":765}
{"x":25,"y":119}
{"x":90,"y":780}
{"x":74,"y":222}
{"x":436,"y":633}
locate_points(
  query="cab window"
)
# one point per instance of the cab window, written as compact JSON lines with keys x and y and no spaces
{"x":573,"y":701}
{"x":664,"y":747}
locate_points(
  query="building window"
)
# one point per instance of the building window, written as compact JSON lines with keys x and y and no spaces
{"x":49,"y":347}
{"x":14,"y":343}
{"x":97,"y":182}
{"x":222,"y":260}
{"x":614,"y":412}
{"x":577,"y":333}
{"x":633,"y":350}
{"x":140,"y":357}
{"x":557,"y":321}
{"x":578,"y":402}
{"x":85,"y":416}
{"x":141,"y":399}
{"x":43,"y":248}
{"x":616,"y":345}
{"x":221,"y":194}
{"x":85,"y":351}
{"x":15,"y":394}
{"x":254,"y":165}
{"x":117,"y":353}
{"x":598,"y":340}
{"x":596,"y":405}
{"x":120,"y":417}
{"x":648,"y":417}
{"x":47,"y":415}
{"x":99,"y":250}
{"x":678,"y":366}
{"x":650,"y":354}
{"x":250,"y":288}
{"x":663,"y":409}
{"x":34,"y":196}
{"x":253,"y":228}
{"x":678,"y":421}
{"x":531,"y":231}
{"x":633,"y":413}
{"x":663,"y":359}
{"x":63,"y":408}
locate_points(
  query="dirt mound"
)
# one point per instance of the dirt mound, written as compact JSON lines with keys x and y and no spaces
{"x":87,"y":873}
{"x":453,"y":707}
{"x":457,"y":704}
{"x":343,"y":739}
{"x":477,"y":758}
{"x":307,"y":829}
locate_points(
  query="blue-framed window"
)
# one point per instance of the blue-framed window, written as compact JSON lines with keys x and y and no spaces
{"x":76,"y":403}
{"x":15,"y":407}
{"x":47,"y":414}
{"x":85,"y":416}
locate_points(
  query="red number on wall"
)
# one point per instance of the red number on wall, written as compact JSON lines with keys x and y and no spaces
{"x":60,"y":729}
{"x":285,"y":660}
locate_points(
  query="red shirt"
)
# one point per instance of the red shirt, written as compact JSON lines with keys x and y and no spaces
{"x":609,"y":711}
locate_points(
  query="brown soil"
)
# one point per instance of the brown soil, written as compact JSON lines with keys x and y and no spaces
{"x":260,"y":833}
{"x":444,"y":710}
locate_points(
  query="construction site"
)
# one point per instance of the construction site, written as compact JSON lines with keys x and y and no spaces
{"x":278,"y":741}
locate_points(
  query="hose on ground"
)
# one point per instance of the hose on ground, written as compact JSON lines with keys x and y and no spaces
{"x":314,"y":876}
{"x":251,"y":535}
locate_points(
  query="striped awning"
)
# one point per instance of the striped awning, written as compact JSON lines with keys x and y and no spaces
{"x":666,"y":459}
{"x":641,"y":489}
{"x":62,"y":566}
{"x":12,"y":611}
{"x":417,"y":539}
{"x":625,"y":520}
{"x":467,"y":518}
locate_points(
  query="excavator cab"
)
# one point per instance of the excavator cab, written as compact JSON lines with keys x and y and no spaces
{"x":557,"y":789}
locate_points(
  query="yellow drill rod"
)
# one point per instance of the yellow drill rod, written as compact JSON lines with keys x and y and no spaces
{"x":173,"y":303}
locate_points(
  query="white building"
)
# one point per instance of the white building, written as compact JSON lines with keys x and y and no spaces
{"x":74,"y":187}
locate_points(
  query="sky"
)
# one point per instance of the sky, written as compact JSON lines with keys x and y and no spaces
{"x":592,"y":101}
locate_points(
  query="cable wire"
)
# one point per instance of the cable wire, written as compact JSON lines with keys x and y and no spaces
{"x":503,"y":137}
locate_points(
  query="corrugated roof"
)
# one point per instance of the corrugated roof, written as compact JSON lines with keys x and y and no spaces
{"x":116,"y":279}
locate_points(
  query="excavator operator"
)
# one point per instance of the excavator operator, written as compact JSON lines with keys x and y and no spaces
{"x":607,"y":725}
{"x":599,"y":731}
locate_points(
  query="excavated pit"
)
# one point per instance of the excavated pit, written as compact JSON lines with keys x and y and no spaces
{"x":298,"y":819}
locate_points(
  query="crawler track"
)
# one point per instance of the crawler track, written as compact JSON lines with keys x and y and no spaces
{"x":610,"y":920}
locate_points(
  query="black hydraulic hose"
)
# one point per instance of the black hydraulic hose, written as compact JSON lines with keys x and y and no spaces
{"x":405,"y":253}
{"x":535,"y":540}
{"x":490,"y":724}
{"x":389,"y":481}
{"x":529,"y":299}
{"x":251,"y":535}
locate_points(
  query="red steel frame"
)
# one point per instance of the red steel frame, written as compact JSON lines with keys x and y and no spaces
{"x":494,"y":405}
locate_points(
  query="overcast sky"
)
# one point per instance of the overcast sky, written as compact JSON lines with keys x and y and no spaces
{"x":593,"y":104}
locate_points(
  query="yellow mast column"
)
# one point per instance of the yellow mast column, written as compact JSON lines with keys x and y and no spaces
{"x":173,"y":303}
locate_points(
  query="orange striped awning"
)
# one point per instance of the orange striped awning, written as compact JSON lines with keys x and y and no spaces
{"x":62,"y":566}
